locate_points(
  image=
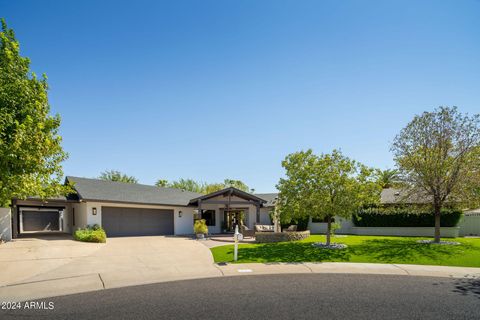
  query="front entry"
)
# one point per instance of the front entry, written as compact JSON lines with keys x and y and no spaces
{"x":232,"y":217}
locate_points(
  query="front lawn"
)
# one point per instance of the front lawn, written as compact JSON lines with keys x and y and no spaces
{"x":372,"y":249}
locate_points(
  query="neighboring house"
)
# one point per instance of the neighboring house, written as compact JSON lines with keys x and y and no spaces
{"x":126,"y":209}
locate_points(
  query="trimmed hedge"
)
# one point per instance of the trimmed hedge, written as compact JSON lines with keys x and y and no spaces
{"x":90,"y":234}
{"x":404,"y":217}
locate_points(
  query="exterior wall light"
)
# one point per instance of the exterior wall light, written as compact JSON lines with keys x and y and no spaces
{"x":94,"y":211}
{"x":179,"y":214}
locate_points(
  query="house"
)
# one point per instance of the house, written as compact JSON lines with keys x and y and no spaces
{"x":125,"y":209}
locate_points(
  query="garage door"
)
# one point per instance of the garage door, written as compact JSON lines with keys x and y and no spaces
{"x":40,"y":220}
{"x":136,"y":222}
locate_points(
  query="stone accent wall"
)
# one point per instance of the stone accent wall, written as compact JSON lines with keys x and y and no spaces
{"x":269,"y":237}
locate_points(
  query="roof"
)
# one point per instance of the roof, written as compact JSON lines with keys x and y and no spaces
{"x":392,"y":195}
{"x":269,"y":197}
{"x":231,"y":191}
{"x":112,"y":191}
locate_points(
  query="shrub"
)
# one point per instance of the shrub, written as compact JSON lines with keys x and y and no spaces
{"x":91,"y":234}
{"x":404,"y":217}
{"x":200,"y":227}
{"x":301,"y":223}
{"x":334,"y":227}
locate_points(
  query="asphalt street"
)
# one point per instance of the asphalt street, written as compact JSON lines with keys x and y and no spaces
{"x":292,"y":296}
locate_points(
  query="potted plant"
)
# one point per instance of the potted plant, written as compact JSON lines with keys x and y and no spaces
{"x":200,"y":228}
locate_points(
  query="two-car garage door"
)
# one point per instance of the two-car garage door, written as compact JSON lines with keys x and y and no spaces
{"x":137,"y":222}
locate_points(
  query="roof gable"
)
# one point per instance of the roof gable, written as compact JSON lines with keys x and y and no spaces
{"x":231,"y":191}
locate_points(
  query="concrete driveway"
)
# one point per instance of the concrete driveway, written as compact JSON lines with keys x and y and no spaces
{"x":56,"y":265}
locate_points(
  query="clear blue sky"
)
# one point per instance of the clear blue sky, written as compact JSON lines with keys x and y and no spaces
{"x":225,"y":89}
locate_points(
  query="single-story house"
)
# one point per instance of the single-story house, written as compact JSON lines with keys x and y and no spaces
{"x":126,"y":209}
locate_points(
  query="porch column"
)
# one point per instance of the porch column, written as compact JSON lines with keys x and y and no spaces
{"x":257,"y":214}
{"x":199,"y":209}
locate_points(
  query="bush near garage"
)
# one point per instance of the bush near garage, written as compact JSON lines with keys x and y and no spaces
{"x":91,"y":234}
{"x":404,"y":217}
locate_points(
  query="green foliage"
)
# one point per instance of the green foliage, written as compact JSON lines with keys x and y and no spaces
{"x":236,"y":184}
{"x":388,"y":178}
{"x":301,"y":223}
{"x":202,"y":187}
{"x":30,"y":146}
{"x":362,"y":249}
{"x":188,"y":185}
{"x":404,"y":217}
{"x":324,"y":186}
{"x":335,"y":227}
{"x":114,"y":175}
{"x":438,"y":154}
{"x":91,"y":234}
{"x":200,"y":227}
{"x":161,"y":183}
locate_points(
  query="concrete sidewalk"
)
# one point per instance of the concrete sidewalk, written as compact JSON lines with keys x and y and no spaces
{"x":98,"y":281}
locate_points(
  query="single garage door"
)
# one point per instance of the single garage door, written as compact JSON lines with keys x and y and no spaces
{"x":36,"y":220}
{"x":136,"y":222}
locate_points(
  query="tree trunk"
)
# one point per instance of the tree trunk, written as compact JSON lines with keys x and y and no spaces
{"x":437,"y":209}
{"x":329,"y":229}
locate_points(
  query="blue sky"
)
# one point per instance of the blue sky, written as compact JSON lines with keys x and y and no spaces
{"x":226,"y":89}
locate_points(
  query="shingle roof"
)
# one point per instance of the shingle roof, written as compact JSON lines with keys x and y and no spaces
{"x":269,"y":197}
{"x":392,"y":195}
{"x":100,"y":190}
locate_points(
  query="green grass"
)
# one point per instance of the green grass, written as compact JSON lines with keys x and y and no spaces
{"x":372,"y":249}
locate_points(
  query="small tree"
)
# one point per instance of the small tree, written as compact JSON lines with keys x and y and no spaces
{"x":438,"y":156}
{"x":114,"y":175}
{"x":324,"y":187}
{"x":30,"y":146}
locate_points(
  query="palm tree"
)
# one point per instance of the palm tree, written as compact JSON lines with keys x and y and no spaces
{"x":388,"y":178}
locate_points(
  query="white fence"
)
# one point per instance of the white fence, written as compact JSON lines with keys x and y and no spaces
{"x":470,"y":224}
{"x":5,"y":224}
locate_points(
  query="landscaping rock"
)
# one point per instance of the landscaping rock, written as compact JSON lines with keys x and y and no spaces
{"x":330,"y":246}
{"x":269,"y":237}
{"x":450,"y":243}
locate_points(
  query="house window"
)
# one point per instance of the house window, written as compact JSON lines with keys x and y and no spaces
{"x":324,"y":220}
{"x":73,"y":216}
{"x":209,"y":216}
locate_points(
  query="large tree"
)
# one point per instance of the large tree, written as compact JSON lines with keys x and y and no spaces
{"x":323,"y":187}
{"x":114,"y":175}
{"x":437,"y":154}
{"x":30,"y":146}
